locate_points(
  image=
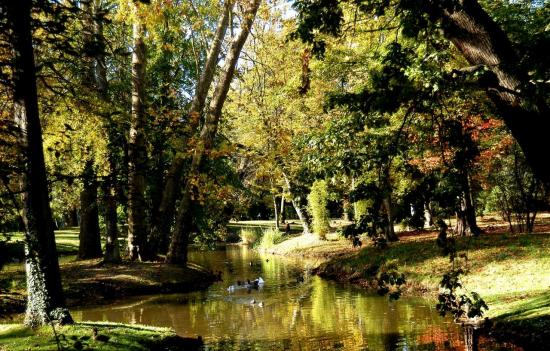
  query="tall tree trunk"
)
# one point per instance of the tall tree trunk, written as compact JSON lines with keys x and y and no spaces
{"x":45,"y":294}
{"x":428,"y":214}
{"x":469,"y":207}
{"x":466,"y":216}
{"x":275,"y":211}
{"x":387,"y":203}
{"x":137,"y":153}
{"x":165,"y":213}
{"x":390,"y":231}
{"x":482,"y":42}
{"x":177,"y":252}
{"x":89,"y":238}
{"x":110,"y":183}
{"x":282,"y":211}
{"x":72,"y":217}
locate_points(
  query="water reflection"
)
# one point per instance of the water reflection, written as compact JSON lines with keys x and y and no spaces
{"x":299,"y":312}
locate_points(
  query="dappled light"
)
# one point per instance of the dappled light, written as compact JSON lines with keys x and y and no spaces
{"x":274,"y":175}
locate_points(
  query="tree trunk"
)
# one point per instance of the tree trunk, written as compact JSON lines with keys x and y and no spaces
{"x":469,"y":208}
{"x":137,"y":153}
{"x":428,"y":215}
{"x":109,"y":186}
{"x":302,"y":215}
{"x":390,"y":231}
{"x":275,"y":211}
{"x":177,"y":252}
{"x":482,"y":42}
{"x":165,"y":213}
{"x":72,"y":217}
{"x":283,"y":211}
{"x":89,"y":238}
{"x":45,"y":299}
{"x":296,"y":204}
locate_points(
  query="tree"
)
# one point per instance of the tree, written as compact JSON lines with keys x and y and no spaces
{"x":166,"y":208}
{"x":137,"y":153}
{"x":177,"y":252}
{"x":45,"y":294}
{"x":89,"y":238}
{"x":520,"y":102}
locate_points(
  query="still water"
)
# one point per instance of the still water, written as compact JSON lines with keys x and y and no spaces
{"x":291,"y":311}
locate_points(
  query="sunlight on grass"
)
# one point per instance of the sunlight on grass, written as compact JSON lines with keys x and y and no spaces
{"x":15,"y":337}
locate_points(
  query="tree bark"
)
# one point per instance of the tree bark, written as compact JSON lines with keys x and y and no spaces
{"x":177,"y":252}
{"x":300,"y":212}
{"x":110,"y":183}
{"x":482,"y":42}
{"x":137,"y":153}
{"x":89,"y":238}
{"x":275,"y":211}
{"x":165,"y":213}
{"x":45,"y":299}
{"x":282,"y":211}
{"x":390,"y":231}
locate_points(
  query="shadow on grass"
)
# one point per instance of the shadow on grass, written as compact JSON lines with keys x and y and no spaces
{"x":415,"y":252}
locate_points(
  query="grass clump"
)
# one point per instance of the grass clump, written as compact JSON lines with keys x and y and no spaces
{"x":249,"y":236}
{"x":270,"y":237}
{"x":80,"y":336}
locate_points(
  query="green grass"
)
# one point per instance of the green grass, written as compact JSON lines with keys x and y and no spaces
{"x":249,"y":236}
{"x":510,"y":272}
{"x":16,"y":337}
{"x":66,"y":240}
{"x":270,"y":237}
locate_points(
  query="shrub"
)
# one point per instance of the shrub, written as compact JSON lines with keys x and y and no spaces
{"x":249,"y":235}
{"x":270,"y":237}
{"x":360,"y":209}
{"x":317,"y":203}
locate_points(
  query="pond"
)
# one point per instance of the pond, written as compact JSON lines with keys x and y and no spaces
{"x":292,"y":310}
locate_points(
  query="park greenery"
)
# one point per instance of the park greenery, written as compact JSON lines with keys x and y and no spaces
{"x":400,"y":142}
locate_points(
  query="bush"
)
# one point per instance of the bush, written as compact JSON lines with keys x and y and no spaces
{"x":270,"y":238}
{"x":360,"y":209}
{"x":249,"y":235}
{"x":317,"y":203}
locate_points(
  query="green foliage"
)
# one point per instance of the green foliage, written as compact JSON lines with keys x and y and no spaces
{"x":390,"y":281}
{"x":270,"y":237}
{"x":249,"y":236}
{"x":450,"y":300}
{"x":514,"y":192}
{"x":360,"y":209}
{"x":317,"y":206}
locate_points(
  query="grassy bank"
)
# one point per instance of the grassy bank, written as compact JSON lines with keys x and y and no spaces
{"x":511,"y":272}
{"x":93,"y":336}
{"x":91,"y":282}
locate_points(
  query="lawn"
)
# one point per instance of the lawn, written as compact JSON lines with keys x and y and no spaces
{"x":108,"y":337}
{"x":510,"y":271}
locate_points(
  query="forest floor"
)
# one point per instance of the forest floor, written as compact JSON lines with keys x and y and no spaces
{"x":91,"y":282}
{"x":80,"y":336}
{"x":511,"y":272}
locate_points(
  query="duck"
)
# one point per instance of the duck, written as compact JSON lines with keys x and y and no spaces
{"x":261,"y":304}
{"x":252,"y":301}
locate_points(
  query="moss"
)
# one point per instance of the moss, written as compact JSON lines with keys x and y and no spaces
{"x":111,"y":336}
